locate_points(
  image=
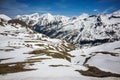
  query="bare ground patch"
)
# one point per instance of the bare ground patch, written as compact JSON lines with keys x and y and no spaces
{"x":6,"y":50}
{"x":4,"y":59}
{"x":15,"y":67}
{"x":96,"y":72}
{"x":101,"y":52}
{"x":117,"y":48}
{"x":110,"y":53}
{"x":59,"y":65}
{"x":62,"y":55}
{"x":55,"y":51}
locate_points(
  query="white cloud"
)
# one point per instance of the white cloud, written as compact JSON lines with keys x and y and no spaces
{"x":95,"y":10}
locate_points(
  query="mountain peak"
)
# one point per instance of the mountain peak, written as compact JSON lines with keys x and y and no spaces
{"x":47,"y":16}
{"x":84,"y":15}
{"x":117,"y":13}
{"x":17,"y":16}
{"x":35,"y":15}
{"x":5,"y":17}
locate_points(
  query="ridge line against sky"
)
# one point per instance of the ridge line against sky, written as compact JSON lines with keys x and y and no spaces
{"x":60,"y":7}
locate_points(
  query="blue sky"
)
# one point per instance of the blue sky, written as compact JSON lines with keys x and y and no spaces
{"x":60,"y":7}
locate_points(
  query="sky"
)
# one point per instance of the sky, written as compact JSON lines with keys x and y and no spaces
{"x":58,"y":7}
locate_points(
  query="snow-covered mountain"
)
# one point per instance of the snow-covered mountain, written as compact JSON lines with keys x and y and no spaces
{"x":4,"y":17}
{"x":34,"y":56}
{"x":84,"y":29}
{"x":42,"y":20}
{"x":29,"y":19}
{"x":92,"y":29}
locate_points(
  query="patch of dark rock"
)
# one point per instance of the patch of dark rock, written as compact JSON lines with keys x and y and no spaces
{"x":110,"y":53}
{"x":114,"y":17}
{"x":6,"y":50}
{"x":16,"y":21}
{"x":83,"y":55}
{"x":88,"y":58}
{"x":117,"y":48}
{"x":94,"y":42}
{"x":4,"y":59}
{"x":110,"y":32}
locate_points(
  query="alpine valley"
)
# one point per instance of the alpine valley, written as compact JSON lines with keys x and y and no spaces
{"x":56,"y":47}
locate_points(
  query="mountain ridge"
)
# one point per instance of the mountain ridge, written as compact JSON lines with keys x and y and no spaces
{"x":84,"y":30}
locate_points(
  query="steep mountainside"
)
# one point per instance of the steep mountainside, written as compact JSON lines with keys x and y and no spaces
{"x":84,"y":29}
{"x":42,"y":20}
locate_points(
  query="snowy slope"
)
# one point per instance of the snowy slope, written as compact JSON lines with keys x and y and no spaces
{"x":106,"y":57}
{"x":4,"y":17}
{"x":14,"y":36}
{"x":17,"y":46}
{"x":28,"y":55}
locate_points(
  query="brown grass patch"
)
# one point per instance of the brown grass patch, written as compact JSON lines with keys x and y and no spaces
{"x":62,"y":55}
{"x":55,"y":51}
{"x":1,"y":23}
{"x":39,"y":44}
{"x":15,"y":67}
{"x":96,"y":72}
{"x":68,"y":47}
{"x":59,"y":65}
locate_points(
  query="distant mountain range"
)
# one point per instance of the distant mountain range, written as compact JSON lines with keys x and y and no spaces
{"x":84,"y":30}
